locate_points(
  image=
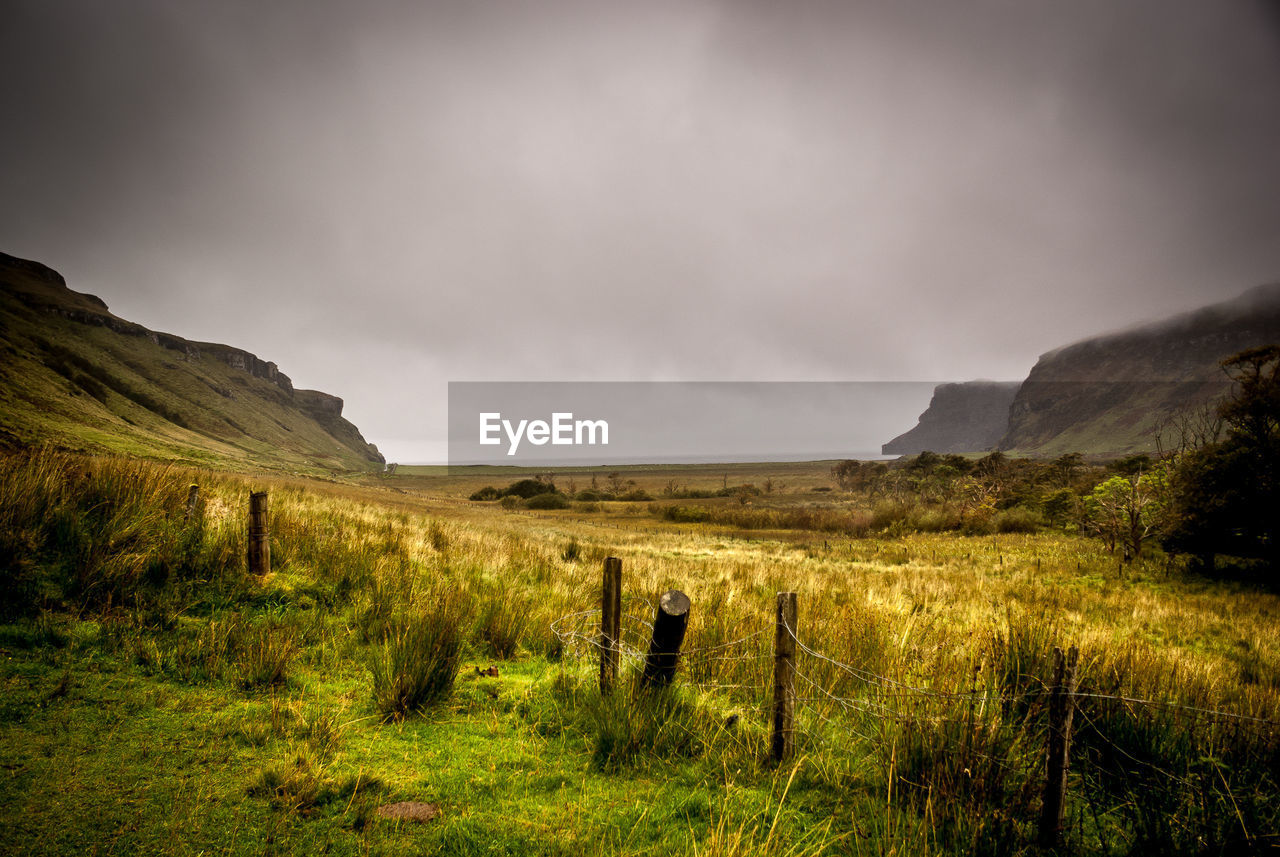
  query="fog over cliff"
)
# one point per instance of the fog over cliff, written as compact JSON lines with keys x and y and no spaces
{"x":387,"y":196}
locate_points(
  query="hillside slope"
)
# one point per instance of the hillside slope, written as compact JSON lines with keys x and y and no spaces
{"x":1108,"y":395}
{"x":1112,"y":394}
{"x":76,"y":376}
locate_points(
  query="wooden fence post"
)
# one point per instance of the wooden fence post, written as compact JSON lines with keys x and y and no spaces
{"x":259,"y":534}
{"x":610,"y":622}
{"x":784,"y":677}
{"x":1061,"y":711}
{"x":668,"y":634}
{"x":193,"y":501}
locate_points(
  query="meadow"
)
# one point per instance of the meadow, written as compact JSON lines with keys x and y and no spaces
{"x":159,"y":699}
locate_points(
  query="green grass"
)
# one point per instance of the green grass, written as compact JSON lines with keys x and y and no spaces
{"x":158,"y":699}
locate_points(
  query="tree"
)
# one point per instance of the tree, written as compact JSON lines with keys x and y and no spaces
{"x":1127,"y":510}
{"x":1065,"y":467}
{"x":1225,"y":494}
{"x":854,"y":475}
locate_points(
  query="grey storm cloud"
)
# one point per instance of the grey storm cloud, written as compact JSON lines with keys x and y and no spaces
{"x":384,"y":197}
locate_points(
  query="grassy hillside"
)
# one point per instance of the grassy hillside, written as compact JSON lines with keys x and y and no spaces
{"x":76,"y":376}
{"x":158,"y":699}
{"x":1106,"y":396}
{"x":1114,"y":394}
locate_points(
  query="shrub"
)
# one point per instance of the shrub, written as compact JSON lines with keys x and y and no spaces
{"x":933,"y":520}
{"x":686,"y":514}
{"x":1019,"y":519}
{"x":488,"y":492}
{"x":887,"y":513}
{"x":526,"y":488}
{"x":548,"y":501}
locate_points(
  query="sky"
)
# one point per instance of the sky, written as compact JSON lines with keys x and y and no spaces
{"x":383,"y":197}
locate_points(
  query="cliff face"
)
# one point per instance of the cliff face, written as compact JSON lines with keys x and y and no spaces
{"x":1114,"y":394}
{"x":969,"y":417}
{"x":77,"y":375}
{"x":1110,"y":395}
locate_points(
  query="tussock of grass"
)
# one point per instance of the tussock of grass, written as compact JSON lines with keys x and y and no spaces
{"x":503,"y":621}
{"x":265,"y":653}
{"x":415,"y":664}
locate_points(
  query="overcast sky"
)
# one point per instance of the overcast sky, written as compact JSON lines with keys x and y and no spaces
{"x":382,"y":197}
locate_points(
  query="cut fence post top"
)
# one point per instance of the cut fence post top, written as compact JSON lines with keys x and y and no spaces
{"x":193,"y":501}
{"x":668,"y":635}
{"x":674,"y":603}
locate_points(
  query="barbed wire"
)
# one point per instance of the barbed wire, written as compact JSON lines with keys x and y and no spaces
{"x":905,"y":689}
{"x":878,"y":689}
{"x":1207,"y":713}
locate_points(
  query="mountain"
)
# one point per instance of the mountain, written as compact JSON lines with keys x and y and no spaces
{"x":74,"y":375}
{"x":960,"y":418}
{"x":1113,"y":394}
{"x":1109,"y":395}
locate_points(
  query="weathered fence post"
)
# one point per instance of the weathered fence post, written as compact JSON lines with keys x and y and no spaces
{"x":1061,"y":711}
{"x":259,"y":535}
{"x":668,"y":634}
{"x":784,"y":677}
{"x":610,"y":622}
{"x":193,"y":501}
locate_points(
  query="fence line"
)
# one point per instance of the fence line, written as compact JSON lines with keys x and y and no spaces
{"x":1044,"y":711}
{"x":879,"y":688}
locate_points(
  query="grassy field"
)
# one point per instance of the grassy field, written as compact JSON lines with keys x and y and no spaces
{"x":158,"y":699}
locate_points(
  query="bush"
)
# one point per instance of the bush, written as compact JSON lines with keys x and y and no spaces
{"x":548,"y":501}
{"x":488,"y":492}
{"x":1019,"y":519}
{"x":887,"y":513}
{"x":934,"y":520}
{"x":686,"y":514}
{"x":526,"y":488}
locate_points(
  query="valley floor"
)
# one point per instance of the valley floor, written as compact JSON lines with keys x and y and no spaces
{"x":157,"y":699}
